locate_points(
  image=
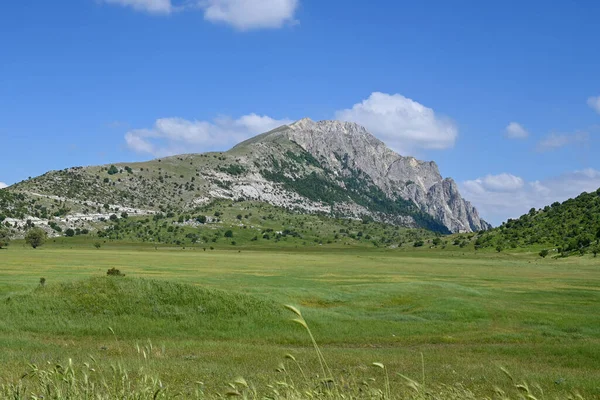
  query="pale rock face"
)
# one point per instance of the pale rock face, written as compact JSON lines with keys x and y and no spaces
{"x":343,"y":144}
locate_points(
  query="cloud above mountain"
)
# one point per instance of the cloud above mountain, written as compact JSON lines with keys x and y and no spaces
{"x":3,"y":185}
{"x":171,"y":136}
{"x":403,"y":124}
{"x":241,"y":14}
{"x":499,"y":197}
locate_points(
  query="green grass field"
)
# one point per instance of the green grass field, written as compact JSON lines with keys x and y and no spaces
{"x":211,"y":316}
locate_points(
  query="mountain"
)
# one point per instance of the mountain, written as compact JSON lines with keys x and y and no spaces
{"x":568,"y":228}
{"x":330,"y":167}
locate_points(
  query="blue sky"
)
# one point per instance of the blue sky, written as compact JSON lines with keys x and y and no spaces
{"x":504,"y":96}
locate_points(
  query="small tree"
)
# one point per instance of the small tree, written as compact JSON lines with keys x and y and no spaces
{"x":499,"y":248}
{"x":113,"y":170}
{"x":4,"y":238}
{"x":97,"y":245}
{"x":36,"y":237}
{"x":70,"y":232}
{"x":229,"y":234}
{"x":42,"y":281}
{"x":544,"y":253}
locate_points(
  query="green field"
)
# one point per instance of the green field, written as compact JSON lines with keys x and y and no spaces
{"x":211,"y":316}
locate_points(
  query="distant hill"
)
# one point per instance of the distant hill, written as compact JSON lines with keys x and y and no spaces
{"x":328,"y":167}
{"x":568,"y":228}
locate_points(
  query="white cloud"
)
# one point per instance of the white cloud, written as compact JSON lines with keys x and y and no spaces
{"x":402,"y":123}
{"x":496,"y":183}
{"x":250,"y":14}
{"x":171,"y":136}
{"x":515,"y":130}
{"x":496,"y":203}
{"x":3,"y":185}
{"x":556,"y":140}
{"x":594,"y":102}
{"x":241,"y":14}
{"x":150,"y":6}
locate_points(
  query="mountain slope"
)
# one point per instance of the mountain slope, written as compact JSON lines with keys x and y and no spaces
{"x":318,"y":167}
{"x":569,"y":227}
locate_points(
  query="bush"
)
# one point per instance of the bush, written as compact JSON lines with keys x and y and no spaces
{"x":97,"y":245}
{"x":544,"y":253}
{"x":229,"y":234}
{"x":4,"y":238}
{"x":114,"y":272}
{"x":36,"y":237}
{"x":70,"y":232}
{"x":113,"y":170}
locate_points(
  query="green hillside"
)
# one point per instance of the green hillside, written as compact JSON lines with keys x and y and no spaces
{"x":572,"y":227}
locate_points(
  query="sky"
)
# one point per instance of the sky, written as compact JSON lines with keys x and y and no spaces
{"x":504,"y":96}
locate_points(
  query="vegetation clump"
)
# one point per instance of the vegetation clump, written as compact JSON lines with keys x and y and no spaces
{"x":36,"y":237}
{"x":114,"y":272}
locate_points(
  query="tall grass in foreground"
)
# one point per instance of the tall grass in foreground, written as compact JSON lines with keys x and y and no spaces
{"x":69,"y":382}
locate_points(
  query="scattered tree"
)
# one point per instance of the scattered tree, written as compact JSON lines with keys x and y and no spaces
{"x":229,"y":234}
{"x":70,"y":232}
{"x":36,"y":237}
{"x":544,"y":253}
{"x":4,"y":238}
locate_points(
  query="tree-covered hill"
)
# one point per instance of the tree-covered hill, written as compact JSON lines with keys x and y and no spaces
{"x":568,"y":228}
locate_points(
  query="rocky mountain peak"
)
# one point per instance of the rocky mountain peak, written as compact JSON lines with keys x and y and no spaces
{"x":348,"y":148}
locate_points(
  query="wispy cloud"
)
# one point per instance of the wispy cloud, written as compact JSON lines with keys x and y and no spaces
{"x":171,"y":136}
{"x":403,"y":124}
{"x":499,"y":197}
{"x":558,"y":140}
{"x":594,"y":103}
{"x":243,"y":15}
{"x":514,"y":130}
{"x":150,"y":6}
{"x":3,"y":185}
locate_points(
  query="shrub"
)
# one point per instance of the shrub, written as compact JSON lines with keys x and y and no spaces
{"x":112,"y":170}
{"x":114,"y":272}
{"x":544,"y":253}
{"x":36,"y":237}
{"x":229,"y":234}
{"x":70,"y":232}
{"x":97,"y":245}
{"x":4,"y":238}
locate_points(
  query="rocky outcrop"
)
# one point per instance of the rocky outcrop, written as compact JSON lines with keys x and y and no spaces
{"x":343,"y":147}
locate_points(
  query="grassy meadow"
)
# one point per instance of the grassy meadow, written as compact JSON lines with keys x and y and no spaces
{"x":198,"y":319}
